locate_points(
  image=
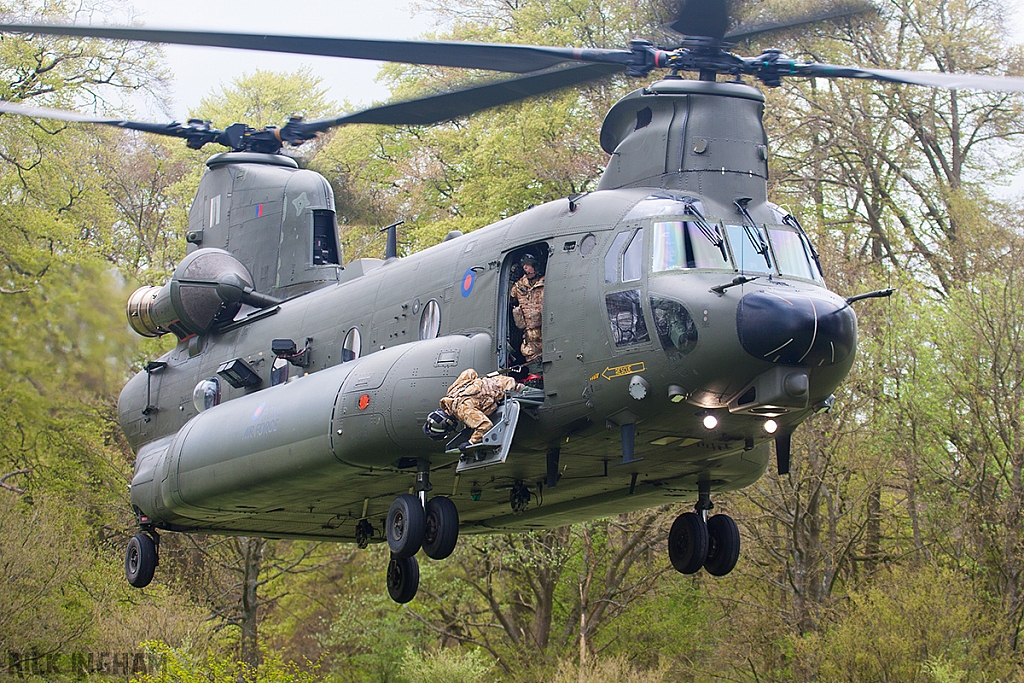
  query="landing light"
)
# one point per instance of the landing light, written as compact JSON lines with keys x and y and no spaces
{"x":710,"y":422}
{"x":770,"y":426}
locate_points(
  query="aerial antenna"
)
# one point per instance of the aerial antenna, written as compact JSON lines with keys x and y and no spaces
{"x":391,"y":251}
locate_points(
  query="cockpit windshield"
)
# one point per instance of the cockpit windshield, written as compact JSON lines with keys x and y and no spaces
{"x":687,"y":244}
{"x":750,"y":249}
{"x":792,"y":253}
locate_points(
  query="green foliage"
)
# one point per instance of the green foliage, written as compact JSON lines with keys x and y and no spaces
{"x":266,"y":98}
{"x":446,"y":665}
{"x":185,"y":665}
{"x":919,"y":621}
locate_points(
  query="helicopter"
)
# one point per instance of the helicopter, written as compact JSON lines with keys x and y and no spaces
{"x":686,"y":326}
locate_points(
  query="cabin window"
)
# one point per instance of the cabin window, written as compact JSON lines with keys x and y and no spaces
{"x":206,"y":394}
{"x":792,"y":254}
{"x":430,"y":321}
{"x":674,"y":324}
{"x":352,"y":346}
{"x":325,"y":240}
{"x":627,"y":318}
{"x":633,"y":258}
{"x":683,"y":244}
{"x":750,"y":249}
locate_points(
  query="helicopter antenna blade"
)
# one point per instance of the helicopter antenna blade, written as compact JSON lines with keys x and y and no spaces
{"x":492,"y":57}
{"x":841,"y":11}
{"x":453,"y":105}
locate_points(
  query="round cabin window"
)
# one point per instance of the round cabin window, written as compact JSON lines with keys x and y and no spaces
{"x":206,"y":394}
{"x":353,"y":344}
{"x":430,"y":321}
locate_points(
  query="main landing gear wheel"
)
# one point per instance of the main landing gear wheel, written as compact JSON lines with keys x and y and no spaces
{"x":406,"y":521}
{"x":140,"y":560}
{"x":403,"y":578}
{"x":723,"y":545}
{"x":688,"y":543}
{"x":441,"y":531}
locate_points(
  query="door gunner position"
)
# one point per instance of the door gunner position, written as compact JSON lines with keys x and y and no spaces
{"x":472,"y":398}
{"x":528,"y":295}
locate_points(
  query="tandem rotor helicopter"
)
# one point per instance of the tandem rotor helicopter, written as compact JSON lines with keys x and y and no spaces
{"x":685,"y":323}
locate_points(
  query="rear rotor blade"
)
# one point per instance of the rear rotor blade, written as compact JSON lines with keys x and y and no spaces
{"x":492,"y":57}
{"x":197,"y":133}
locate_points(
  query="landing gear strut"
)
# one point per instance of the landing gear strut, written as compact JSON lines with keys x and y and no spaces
{"x":415,"y":522}
{"x":697,"y":541}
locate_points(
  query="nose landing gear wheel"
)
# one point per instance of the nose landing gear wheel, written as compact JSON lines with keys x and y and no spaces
{"x":688,"y":543}
{"x":403,"y":578}
{"x":140,"y":560}
{"x":406,"y":521}
{"x":441,"y":531}
{"x":723,"y":545}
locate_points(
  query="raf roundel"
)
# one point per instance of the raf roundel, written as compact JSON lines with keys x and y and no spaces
{"x":468,"y":280}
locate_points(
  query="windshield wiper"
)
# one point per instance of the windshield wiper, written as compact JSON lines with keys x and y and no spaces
{"x":753,"y":234}
{"x":712,"y":236}
{"x":790,"y":220}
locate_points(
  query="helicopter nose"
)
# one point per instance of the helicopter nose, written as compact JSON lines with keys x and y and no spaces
{"x":796,"y":328}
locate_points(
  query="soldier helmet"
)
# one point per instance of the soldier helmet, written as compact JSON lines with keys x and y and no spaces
{"x":439,"y":424}
{"x":528,"y":257}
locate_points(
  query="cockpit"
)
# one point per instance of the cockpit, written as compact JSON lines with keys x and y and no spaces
{"x":689,"y":240}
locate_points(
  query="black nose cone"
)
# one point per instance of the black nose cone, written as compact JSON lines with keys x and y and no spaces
{"x":796,"y":328}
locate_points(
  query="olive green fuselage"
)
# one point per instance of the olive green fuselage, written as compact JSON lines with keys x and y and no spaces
{"x":633,"y":334}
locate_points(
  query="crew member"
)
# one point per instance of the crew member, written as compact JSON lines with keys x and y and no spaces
{"x":528,"y":295}
{"x":472,"y":398}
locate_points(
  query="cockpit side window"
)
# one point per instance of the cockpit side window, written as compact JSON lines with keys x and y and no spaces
{"x":681,"y":244}
{"x":611,"y":259}
{"x":633,"y":258}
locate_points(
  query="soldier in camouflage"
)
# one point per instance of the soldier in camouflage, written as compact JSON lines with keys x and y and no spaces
{"x":472,"y":398}
{"x":528,"y":296}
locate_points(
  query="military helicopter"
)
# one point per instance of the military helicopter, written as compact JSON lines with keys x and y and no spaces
{"x":685,"y":325}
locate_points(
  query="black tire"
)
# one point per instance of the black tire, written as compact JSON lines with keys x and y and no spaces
{"x":441,"y":531}
{"x":688,"y":543}
{"x":403,"y":578}
{"x":406,"y":521}
{"x":723,"y":545}
{"x":140,"y":560}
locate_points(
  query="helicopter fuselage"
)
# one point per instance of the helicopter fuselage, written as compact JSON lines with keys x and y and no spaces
{"x":685,"y":325}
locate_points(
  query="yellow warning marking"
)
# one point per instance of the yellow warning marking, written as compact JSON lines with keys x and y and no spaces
{"x":596,"y":375}
{"x":623,"y":370}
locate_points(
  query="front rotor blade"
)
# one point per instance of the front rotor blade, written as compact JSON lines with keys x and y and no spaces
{"x":925,"y":78}
{"x":844,"y":11}
{"x":705,"y":18}
{"x":452,"y":105}
{"x":492,"y":57}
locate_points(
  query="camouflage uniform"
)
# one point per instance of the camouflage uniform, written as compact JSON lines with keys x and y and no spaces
{"x":472,"y":398}
{"x":529,"y":295}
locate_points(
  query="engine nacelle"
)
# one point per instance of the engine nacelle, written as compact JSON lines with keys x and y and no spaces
{"x":271,"y":445}
{"x":208,"y":286}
